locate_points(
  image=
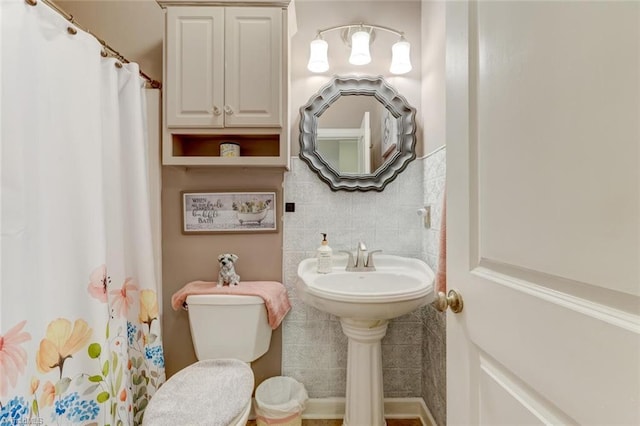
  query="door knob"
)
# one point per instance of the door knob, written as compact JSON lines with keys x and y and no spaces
{"x":216,"y":110}
{"x":453,"y":300}
{"x":228,"y":110}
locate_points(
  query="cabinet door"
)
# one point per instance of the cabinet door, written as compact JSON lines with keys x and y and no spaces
{"x":253,"y":85}
{"x":195,"y":67}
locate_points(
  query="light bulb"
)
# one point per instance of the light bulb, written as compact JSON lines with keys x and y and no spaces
{"x":318,"y":61}
{"x":360,"y":48}
{"x":400,"y":57}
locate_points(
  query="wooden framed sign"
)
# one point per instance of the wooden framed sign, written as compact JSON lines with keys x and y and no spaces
{"x":213,"y":212}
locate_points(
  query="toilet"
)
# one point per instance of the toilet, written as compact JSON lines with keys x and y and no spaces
{"x":228,"y":332}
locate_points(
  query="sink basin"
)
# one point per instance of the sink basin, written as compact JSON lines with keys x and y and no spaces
{"x":398,"y":286}
{"x":365,"y":302}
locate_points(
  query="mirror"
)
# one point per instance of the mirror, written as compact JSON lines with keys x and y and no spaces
{"x":357,"y":133}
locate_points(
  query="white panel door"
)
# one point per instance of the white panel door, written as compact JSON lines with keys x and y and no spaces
{"x":194,"y":76}
{"x":253,"y":86}
{"x":543,"y":214}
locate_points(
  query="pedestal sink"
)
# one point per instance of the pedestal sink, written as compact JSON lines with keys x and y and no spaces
{"x":365,"y":302}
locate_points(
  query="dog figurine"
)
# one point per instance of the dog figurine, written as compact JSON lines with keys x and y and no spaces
{"x":227,"y":270}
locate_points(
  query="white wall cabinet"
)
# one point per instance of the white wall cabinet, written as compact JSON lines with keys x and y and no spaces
{"x":226,"y":79}
{"x":194,"y":76}
{"x":224,"y":66}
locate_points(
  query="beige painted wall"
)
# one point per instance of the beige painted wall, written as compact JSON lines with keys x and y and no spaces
{"x":134,"y":27}
{"x":433,"y":74}
{"x":315,"y":15}
{"x":194,"y":257}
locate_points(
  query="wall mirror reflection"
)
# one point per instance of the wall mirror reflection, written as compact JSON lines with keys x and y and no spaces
{"x":357,"y":133}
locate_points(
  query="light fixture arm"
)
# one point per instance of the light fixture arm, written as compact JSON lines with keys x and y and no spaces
{"x":360,"y":25}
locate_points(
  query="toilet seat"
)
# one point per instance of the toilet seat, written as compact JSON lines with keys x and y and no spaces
{"x":209,"y":392}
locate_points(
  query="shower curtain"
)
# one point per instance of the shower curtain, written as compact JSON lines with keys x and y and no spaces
{"x":80,"y":340}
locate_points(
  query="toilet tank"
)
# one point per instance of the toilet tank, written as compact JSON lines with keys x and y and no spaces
{"x":229,"y":326}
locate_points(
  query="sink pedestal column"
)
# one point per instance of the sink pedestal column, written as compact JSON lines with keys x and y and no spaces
{"x":364,"y":396}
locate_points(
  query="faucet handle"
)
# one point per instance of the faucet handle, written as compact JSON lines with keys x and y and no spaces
{"x":370,"y":264}
{"x":350,"y":262}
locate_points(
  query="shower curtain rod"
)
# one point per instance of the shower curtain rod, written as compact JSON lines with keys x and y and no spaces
{"x":154,"y":84}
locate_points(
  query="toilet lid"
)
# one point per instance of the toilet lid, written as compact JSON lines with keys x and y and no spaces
{"x":209,"y":392}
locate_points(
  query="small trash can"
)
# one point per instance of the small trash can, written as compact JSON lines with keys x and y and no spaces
{"x":280,"y":401}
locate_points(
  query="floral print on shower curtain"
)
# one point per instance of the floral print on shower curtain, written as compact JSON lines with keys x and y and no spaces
{"x":120,"y":361}
{"x":80,"y":340}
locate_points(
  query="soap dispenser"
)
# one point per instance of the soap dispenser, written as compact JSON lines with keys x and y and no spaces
{"x":324,"y":256}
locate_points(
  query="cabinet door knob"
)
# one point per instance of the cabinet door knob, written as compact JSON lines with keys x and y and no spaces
{"x":228,"y":110}
{"x":216,"y":111}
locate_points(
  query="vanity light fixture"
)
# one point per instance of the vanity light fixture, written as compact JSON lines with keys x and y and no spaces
{"x":359,"y":37}
{"x":360,"y":47}
{"x":318,"y":61}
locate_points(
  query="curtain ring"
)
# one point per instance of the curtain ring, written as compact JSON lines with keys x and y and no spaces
{"x":118,"y":65}
{"x":72,"y":31}
{"x":104,"y":53}
{"x":31,"y":2}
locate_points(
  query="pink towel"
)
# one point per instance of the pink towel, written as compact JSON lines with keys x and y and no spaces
{"x":274,"y":295}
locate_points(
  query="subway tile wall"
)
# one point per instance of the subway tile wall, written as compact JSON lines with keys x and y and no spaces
{"x":414,"y":349}
{"x":314,"y":346}
{"x":434,"y":174}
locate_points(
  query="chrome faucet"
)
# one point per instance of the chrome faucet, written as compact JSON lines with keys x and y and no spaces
{"x":361,"y":252}
{"x":363,"y":262}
